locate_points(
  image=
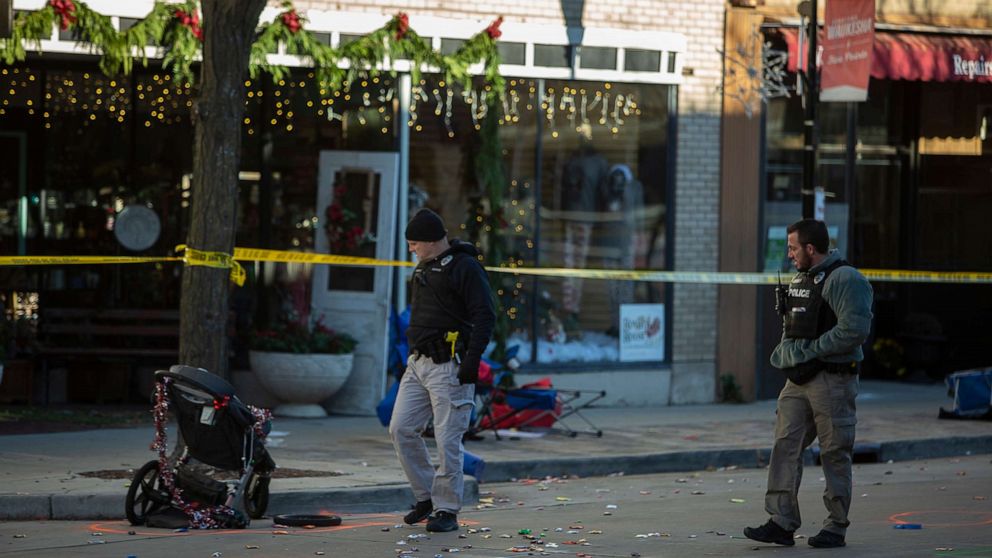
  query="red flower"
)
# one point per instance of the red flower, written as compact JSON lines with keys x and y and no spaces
{"x":493,"y":29}
{"x":402,"y":25}
{"x":66,"y":10}
{"x":291,"y":20}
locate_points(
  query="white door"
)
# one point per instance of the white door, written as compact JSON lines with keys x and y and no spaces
{"x":362,"y":187}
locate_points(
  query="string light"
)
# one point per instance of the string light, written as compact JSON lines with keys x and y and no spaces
{"x":164,"y":102}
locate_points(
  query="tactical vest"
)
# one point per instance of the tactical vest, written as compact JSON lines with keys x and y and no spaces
{"x":809,"y":316}
{"x":434,"y":302}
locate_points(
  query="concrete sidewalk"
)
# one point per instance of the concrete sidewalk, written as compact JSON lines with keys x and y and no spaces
{"x":41,"y":475}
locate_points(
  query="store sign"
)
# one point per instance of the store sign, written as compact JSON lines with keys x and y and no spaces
{"x":847,"y":50}
{"x":642,"y":332}
{"x":971,"y":67}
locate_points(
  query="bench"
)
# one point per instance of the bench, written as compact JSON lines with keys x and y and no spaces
{"x":129,"y":336}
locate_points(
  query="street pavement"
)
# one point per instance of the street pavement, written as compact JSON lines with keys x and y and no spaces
{"x":673,"y":514}
{"x":45,"y":476}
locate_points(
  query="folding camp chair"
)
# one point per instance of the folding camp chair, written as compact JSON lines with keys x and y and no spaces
{"x":537,"y":405}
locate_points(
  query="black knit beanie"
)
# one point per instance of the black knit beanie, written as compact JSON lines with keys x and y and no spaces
{"x":426,"y":226}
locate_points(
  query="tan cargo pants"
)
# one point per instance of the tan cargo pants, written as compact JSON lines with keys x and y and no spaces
{"x":822,"y":409}
{"x":428,"y":388}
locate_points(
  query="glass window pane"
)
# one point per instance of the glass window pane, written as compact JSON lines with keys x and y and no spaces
{"x":598,"y":58}
{"x":450,"y":46}
{"x":552,"y":56}
{"x":636,"y":60}
{"x":512,"y":53}
{"x":351,"y":226}
{"x":603,"y":205}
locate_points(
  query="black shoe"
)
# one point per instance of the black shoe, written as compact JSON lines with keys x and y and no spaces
{"x":421,"y":511}
{"x":826,"y":539}
{"x":771,"y":533}
{"x":443,"y":522}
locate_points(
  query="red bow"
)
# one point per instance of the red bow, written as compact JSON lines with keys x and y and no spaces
{"x":191,"y":19}
{"x":66,"y":10}
{"x":222,"y":403}
{"x":291,"y":20}
{"x":493,"y":29}
{"x":402,"y":25}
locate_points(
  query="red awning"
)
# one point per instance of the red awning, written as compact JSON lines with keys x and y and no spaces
{"x":920,"y":57}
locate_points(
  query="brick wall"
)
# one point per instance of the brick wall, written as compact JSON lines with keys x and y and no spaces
{"x":696,"y":204}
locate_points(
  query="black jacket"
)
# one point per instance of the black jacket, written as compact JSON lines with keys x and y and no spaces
{"x":451,"y":293}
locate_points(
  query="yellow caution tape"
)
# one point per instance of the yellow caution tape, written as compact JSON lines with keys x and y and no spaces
{"x":192,"y":256}
{"x":79,"y":260}
{"x":283,"y":256}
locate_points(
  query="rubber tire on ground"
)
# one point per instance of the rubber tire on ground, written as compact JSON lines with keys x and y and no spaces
{"x":257,"y":495}
{"x":301,"y":520}
{"x":150,"y":499}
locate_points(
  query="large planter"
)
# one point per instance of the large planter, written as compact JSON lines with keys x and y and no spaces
{"x":301,"y":381}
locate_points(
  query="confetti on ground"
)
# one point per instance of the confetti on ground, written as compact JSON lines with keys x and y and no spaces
{"x":737,"y":500}
{"x":563,"y":498}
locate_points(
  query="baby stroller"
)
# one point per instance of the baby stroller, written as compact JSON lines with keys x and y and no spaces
{"x":218,"y":430}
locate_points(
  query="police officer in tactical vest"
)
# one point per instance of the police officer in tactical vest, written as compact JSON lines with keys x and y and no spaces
{"x":826,"y":311}
{"x":451,"y":319}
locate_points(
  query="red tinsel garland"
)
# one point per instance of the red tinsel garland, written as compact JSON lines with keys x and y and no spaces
{"x":66,"y":10}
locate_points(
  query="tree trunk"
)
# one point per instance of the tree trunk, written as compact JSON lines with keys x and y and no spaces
{"x":229,"y":30}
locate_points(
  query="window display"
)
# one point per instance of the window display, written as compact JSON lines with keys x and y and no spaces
{"x":586,"y":165}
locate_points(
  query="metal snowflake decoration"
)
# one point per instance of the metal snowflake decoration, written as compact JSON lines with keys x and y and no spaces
{"x":751,"y":85}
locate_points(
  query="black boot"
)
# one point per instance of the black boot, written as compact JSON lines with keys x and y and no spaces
{"x":443,"y":522}
{"x":770,"y":533}
{"x":826,"y":539}
{"x":421,"y":511}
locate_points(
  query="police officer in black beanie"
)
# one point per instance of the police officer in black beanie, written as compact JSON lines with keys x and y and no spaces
{"x":451,"y":320}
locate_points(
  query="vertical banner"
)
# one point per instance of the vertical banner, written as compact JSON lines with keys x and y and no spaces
{"x":847,"y":50}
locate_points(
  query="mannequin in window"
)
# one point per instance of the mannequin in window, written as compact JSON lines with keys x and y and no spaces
{"x":583,"y":177}
{"x":622,"y":196}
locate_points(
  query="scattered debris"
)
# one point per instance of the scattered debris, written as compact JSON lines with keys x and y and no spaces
{"x":737,"y":500}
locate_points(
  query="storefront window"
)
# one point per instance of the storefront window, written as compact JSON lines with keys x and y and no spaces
{"x":596,"y":201}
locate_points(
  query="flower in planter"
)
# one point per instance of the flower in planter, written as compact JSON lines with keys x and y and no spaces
{"x":298,"y":337}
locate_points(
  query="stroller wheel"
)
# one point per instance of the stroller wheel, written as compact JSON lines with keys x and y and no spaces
{"x":257,"y":495}
{"x":302,"y":520}
{"x":144,"y":495}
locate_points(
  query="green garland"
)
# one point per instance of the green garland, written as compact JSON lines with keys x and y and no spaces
{"x":175,"y":26}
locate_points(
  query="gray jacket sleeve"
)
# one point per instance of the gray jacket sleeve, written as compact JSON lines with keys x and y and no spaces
{"x":850,"y":296}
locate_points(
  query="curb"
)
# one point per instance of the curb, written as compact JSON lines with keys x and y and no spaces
{"x":395,"y":497}
{"x":372,"y":499}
